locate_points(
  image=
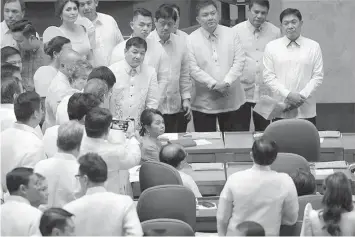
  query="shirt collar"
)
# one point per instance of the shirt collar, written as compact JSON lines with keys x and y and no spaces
{"x":128,"y":68}
{"x":64,"y":156}
{"x":98,"y":19}
{"x":17,"y":198}
{"x":4,"y":28}
{"x":208,"y":35}
{"x":261,"y":167}
{"x":157,"y":37}
{"x":7,"y":106}
{"x":252,"y":28}
{"x":98,"y":189}
{"x":25,"y":128}
{"x":298,"y":41}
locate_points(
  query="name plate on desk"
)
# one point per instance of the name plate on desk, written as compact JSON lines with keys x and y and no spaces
{"x":207,"y":166}
{"x":329,"y":134}
{"x":331,"y":165}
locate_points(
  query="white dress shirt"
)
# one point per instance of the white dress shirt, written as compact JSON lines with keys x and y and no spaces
{"x":102,"y":213}
{"x":108,"y":35}
{"x":215,"y":58}
{"x":58,"y":89}
{"x":155,"y":57}
{"x":181,"y":33}
{"x":119,"y":159}
{"x":62,"y":111}
{"x":294,"y":67}
{"x":59,"y":171}
{"x":132,"y":94}
{"x":21,"y":146}
{"x":254,"y":42}
{"x":19,"y":218}
{"x":179,"y":86}
{"x":43,"y":78}
{"x":189,"y":183}
{"x":260,"y":195}
{"x":6,"y":36}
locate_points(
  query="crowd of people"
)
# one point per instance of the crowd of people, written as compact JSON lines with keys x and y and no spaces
{"x":65,"y":163}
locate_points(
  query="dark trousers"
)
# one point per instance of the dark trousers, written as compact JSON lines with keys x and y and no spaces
{"x":228,"y":122}
{"x":260,"y":123}
{"x":175,"y":123}
{"x":312,"y":120}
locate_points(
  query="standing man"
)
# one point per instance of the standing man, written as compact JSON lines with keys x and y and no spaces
{"x":137,"y":87}
{"x":254,"y":34}
{"x":14,"y":10}
{"x":294,"y":68}
{"x":175,"y":106}
{"x":155,"y":56}
{"x":177,"y":23}
{"x":31,"y":49}
{"x":108,"y":35}
{"x":216,"y":63}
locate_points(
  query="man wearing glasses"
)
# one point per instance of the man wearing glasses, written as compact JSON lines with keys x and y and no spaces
{"x":31,"y":49}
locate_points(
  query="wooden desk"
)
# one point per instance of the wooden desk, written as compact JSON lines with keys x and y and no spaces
{"x":348,"y":141}
{"x":238,"y":146}
{"x":233,"y":167}
{"x":209,"y":182}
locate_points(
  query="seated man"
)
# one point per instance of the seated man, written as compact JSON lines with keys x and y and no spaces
{"x":305,"y":182}
{"x":57,"y":222}
{"x":258,"y":194}
{"x":174,"y":155}
{"x":250,"y":228}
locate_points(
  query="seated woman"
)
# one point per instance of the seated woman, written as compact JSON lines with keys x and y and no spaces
{"x":174,"y":155}
{"x":337,"y":218}
{"x":78,"y":34}
{"x":152,"y":123}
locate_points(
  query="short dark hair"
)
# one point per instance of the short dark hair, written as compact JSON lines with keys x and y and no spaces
{"x":53,"y":217}
{"x":304,"y":181}
{"x":264,"y":151}
{"x":263,"y":3}
{"x":93,"y":166}
{"x":172,"y":154}
{"x":17,"y":177}
{"x":24,"y":26}
{"x":146,"y":119}
{"x":22,"y":3}
{"x":165,"y":12}
{"x":59,"y":5}
{"x":175,"y":6}
{"x":80,"y":104}
{"x":105,"y":74}
{"x":204,"y":3}
{"x":70,"y":135}
{"x":8,"y":70}
{"x":8,"y":51}
{"x":26,"y":104}
{"x":97,"y":122}
{"x":137,"y":42}
{"x":251,"y":228}
{"x":97,"y":87}
{"x":55,"y":45}
{"x":9,"y":87}
{"x":142,"y":12}
{"x":290,"y":11}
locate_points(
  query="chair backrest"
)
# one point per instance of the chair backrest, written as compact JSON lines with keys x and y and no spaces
{"x":296,"y":136}
{"x":154,"y":173}
{"x":293,"y":230}
{"x":168,"y":201}
{"x":315,"y":200}
{"x":289,"y":163}
{"x":167,"y":227}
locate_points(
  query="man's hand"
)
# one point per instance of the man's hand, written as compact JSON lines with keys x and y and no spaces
{"x":294,"y":101}
{"x":222,"y":87}
{"x":186,"y":106}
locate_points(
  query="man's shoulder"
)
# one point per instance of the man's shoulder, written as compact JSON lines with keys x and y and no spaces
{"x":51,"y":131}
{"x":147,"y":69}
{"x":275,"y":44}
{"x":309,"y":41}
{"x":240,"y":26}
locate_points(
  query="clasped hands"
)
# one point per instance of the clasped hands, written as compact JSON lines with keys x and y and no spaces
{"x":221,"y":87}
{"x":294,"y":100}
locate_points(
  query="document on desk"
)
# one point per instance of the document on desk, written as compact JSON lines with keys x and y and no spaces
{"x":269,"y":108}
{"x":202,"y":142}
{"x":324,"y":171}
{"x":169,"y":136}
{"x":134,"y":174}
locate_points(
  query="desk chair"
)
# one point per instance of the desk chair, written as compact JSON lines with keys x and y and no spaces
{"x":315,"y":200}
{"x":153,"y":173}
{"x":296,"y":136}
{"x":168,"y":201}
{"x":289,"y":163}
{"x":167,"y":227}
{"x":294,"y":230}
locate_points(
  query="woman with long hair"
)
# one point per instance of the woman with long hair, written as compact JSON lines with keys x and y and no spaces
{"x":337,"y":218}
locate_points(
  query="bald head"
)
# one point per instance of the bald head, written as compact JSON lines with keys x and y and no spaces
{"x":68,"y":59}
{"x":97,"y":87}
{"x":172,"y":154}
